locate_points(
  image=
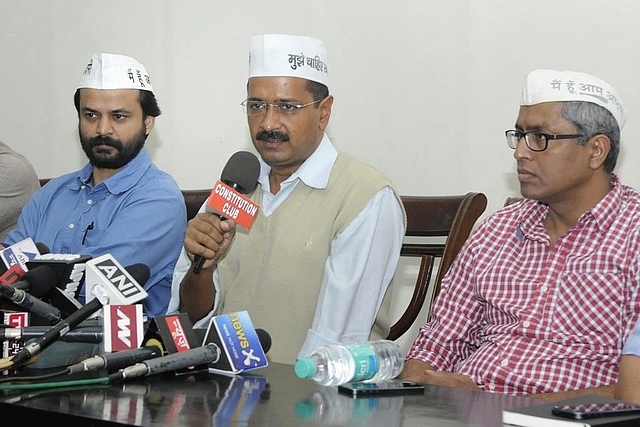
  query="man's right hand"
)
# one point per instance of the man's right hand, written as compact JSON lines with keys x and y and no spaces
{"x":209,"y":236}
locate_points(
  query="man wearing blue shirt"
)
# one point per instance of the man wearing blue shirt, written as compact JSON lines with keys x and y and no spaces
{"x":120,"y":203}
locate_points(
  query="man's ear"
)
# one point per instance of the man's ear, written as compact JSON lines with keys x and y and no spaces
{"x":600,"y":147}
{"x":149,"y":121}
{"x":325,"y":111}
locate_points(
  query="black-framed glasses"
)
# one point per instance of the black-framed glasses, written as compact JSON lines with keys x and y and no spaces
{"x":286,"y":109}
{"x":535,"y":140}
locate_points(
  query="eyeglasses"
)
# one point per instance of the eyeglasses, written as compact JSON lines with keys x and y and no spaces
{"x":285,"y":109}
{"x":536,"y":141}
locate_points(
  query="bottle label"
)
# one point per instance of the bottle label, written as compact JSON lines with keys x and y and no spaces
{"x":366,"y":361}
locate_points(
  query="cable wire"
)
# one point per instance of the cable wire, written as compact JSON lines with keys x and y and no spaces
{"x":101,"y":380}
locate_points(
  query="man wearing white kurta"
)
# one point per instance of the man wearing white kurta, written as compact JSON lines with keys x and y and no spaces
{"x":315,"y":266}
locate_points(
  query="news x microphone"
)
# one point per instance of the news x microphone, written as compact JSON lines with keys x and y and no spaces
{"x":239,"y":176}
{"x":108,"y":281}
{"x":243,"y":347}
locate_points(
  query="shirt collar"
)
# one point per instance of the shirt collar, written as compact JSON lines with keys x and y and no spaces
{"x":604,"y":213}
{"x":314,"y":172}
{"x":123,"y":180}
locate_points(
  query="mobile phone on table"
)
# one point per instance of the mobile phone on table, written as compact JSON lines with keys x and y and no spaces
{"x":594,"y":410}
{"x":382,"y":388}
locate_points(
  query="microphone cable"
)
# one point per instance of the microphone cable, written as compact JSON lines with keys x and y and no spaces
{"x":75,"y":368}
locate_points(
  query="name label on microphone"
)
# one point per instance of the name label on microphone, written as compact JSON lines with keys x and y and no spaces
{"x":14,"y":320}
{"x":108,"y":281}
{"x":235,"y":333}
{"x":123,"y":327}
{"x":231,"y":204}
{"x":19,"y":253}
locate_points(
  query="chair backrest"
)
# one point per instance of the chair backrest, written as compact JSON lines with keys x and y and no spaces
{"x":193,"y":199}
{"x":450,"y":217}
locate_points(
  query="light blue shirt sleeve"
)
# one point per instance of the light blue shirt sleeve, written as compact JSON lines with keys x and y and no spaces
{"x":632,"y":345}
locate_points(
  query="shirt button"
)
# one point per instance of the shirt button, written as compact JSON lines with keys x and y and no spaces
{"x":492,"y":386}
{"x":89,"y":202}
{"x":526,"y":324}
{"x":544,"y":288}
{"x":505,"y":362}
{"x":72,"y":225}
{"x":82,"y":187}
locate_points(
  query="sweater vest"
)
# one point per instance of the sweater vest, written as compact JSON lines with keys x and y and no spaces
{"x":275,"y":270}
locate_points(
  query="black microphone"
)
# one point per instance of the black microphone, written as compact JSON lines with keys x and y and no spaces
{"x":209,"y":353}
{"x":84,"y":334}
{"x":42,"y":248}
{"x":265,"y":339}
{"x":241,"y":174}
{"x":31,"y":304}
{"x":118,"y":360}
{"x":38,"y":281}
{"x":35,"y":346}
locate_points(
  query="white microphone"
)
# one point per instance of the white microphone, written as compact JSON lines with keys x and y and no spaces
{"x":109,"y":282}
{"x":239,"y":176}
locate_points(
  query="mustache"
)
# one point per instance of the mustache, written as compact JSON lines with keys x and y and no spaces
{"x":272,"y":136}
{"x":104,"y":140}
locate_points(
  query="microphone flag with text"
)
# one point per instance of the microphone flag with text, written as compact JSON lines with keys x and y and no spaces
{"x":109,"y":282}
{"x":242,"y":346}
{"x":16,"y":257}
{"x":227,"y":200}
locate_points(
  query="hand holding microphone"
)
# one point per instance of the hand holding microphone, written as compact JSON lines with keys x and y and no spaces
{"x":239,"y":176}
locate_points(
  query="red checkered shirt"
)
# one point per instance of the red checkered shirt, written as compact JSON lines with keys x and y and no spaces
{"x":519,"y":316}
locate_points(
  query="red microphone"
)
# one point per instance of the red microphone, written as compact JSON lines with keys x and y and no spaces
{"x":227,"y":200}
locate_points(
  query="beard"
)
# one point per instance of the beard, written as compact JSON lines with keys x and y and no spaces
{"x":106,"y":159}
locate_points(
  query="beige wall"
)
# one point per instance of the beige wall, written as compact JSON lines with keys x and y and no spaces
{"x":424,"y":89}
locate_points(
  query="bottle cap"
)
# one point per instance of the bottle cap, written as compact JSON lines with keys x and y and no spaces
{"x":305,"y":367}
{"x":305,"y":410}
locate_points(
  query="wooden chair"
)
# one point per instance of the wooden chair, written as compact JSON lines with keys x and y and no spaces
{"x":193,"y":199}
{"x":450,"y":217}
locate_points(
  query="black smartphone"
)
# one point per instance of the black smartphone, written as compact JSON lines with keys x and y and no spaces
{"x":382,"y":388}
{"x":593,"y":410}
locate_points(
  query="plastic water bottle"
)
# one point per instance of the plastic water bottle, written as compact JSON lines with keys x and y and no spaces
{"x":337,"y":364}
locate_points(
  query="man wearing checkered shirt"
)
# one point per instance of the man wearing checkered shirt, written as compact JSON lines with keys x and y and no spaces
{"x":542,"y":296}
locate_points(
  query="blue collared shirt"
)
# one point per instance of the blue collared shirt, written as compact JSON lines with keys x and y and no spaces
{"x":137,"y":215}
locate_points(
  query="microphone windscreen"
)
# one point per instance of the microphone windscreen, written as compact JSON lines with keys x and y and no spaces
{"x":265,"y":339}
{"x":42,"y":248}
{"x":140,"y":272}
{"x":242,"y":170}
{"x":41,"y":280}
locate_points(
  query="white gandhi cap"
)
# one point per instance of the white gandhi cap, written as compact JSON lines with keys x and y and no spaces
{"x":281,"y":55}
{"x":108,"y":71}
{"x":551,"y":86}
